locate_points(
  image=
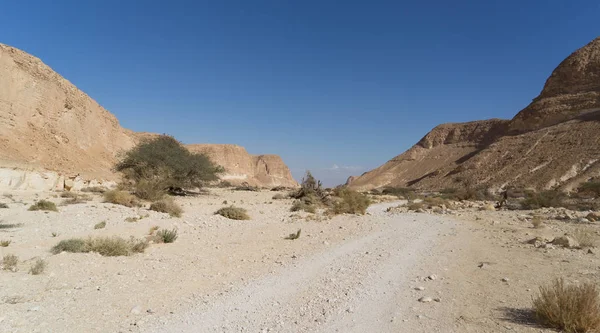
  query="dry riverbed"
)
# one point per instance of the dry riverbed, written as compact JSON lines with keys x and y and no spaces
{"x":469,"y":271}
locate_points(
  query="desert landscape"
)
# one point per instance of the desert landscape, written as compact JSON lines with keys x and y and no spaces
{"x":103,"y":229}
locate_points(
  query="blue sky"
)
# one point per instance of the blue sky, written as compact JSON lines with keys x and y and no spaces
{"x":337,"y":87}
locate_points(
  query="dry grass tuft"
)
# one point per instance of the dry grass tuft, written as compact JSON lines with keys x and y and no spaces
{"x":44,"y":205}
{"x":76,"y":199}
{"x":585,"y":238}
{"x":68,"y":194}
{"x":234,"y":213}
{"x":123,"y":198}
{"x":38,"y":268}
{"x":537,"y":222}
{"x":105,"y":246}
{"x":167,"y":205}
{"x":351,"y":202}
{"x":574,"y":309}
{"x":9,"y":262}
{"x":303,"y":205}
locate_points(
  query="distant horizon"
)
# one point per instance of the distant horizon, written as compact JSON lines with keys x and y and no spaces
{"x":334,"y":89}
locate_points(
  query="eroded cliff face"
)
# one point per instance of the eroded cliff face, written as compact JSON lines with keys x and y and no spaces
{"x":51,"y":131}
{"x":240,"y":167}
{"x":553,"y":142}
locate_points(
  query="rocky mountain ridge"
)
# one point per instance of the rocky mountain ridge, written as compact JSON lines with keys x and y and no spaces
{"x":50,"y":131}
{"x":553,"y":142}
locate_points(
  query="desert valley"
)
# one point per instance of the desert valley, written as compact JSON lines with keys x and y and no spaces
{"x":99,"y":233}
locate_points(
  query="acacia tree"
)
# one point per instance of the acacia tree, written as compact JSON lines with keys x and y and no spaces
{"x":158,"y":164}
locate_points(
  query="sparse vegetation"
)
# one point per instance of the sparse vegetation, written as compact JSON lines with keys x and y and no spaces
{"x":280,"y":196}
{"x":9,"y":225}
{"x":122,"y":198}
{"x":351,"y":202}
{"x":415,"y":205}
{"x":132,"y":219}
{"x":68,"y":194}
{"x":38,"y":267}
{"x":44,"y":205}
{"x":167,"y":205}
{"x":431,"y":202}
{"x":590,"y":188}
{"x":10,"y":262}
{"x":94,"y":189}
{"x":100,"y":225}
{"x":5,"y":243}
{"x":246,"y":187}
{"x":548,"y":198}
{"x":167,"y":236}
{"x":572,"y":308}
{"x":158,"y":164}
{"x":400,"y":192}
{"x":537,"y":222}
{"x":294,"y":235}
{"x":303,"y":205}
{"x":153,"y":230}
{"x":105,"y":246}
{"x":585,"y":238}
{"x":310,"y":196}
{"x":3,"y":205}
{"x":76,"y":199}
{"x":234,"y":213}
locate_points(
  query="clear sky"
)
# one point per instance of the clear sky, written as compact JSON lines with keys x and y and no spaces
{"x":337,"y":87}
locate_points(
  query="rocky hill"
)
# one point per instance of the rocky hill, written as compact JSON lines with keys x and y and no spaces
{"x":553,"y":142}
{"x":50,"y":130}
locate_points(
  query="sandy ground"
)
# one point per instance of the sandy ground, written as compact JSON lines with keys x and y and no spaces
{"x":346,"y":274}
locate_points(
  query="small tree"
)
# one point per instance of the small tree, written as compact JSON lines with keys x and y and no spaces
{"x":155,"y":165}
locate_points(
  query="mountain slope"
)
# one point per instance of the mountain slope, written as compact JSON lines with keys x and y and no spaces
{"x":54,"y":130}
{"x":554,"y":141}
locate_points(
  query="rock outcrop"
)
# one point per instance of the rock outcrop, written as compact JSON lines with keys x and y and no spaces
{"x":553,"y":142}
{"x":241,"y":167}
{"x":50,"y":131}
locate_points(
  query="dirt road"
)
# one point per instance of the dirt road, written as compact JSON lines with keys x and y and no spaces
{"x":366,"y":284}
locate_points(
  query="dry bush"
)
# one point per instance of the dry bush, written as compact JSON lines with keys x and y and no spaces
{"x":105,"y":246}
{"x":3,"y":205}
{"x":544,"y":199}
{"x":167,"y":236}
{"x":590,"y":188}
{"x":416,"y":205}
{"x":167,"y":205}
{"x":100,"y":225}
{"x":351,"y":202}
{"x":150,"y":189}
{"x":77,"y":199}
{"x":246,"y":187}
{"x":294,"y":235}
{"x":401,"y":192}
{"x":574,"y":309}
{"x":585,"y":238}
{"x":68,"y":194}
{"x":38,"y":267}
{"x":94,"y":189}
{"x":5,"y":243}
{"x":537,"y":222}
{"x":9,"y":262}
{"x":302,"y":205}
{"x":123,"y":198}
{"x":44,"y":205}
{"x":436,"y":202}
{"x":234,"y":213}
{"x":280,"y":196}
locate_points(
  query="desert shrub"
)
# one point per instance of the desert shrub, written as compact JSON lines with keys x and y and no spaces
{"x":162,"y":162}
{"x":430,"y":202}
{"x":548,"y":198}
{"x":68,"y":194}
{"x":94,"y":189}
{"x":302,"y":205}
{"x":279,"y":188}
{"x":537,"y":222}
{"x":246,"y":187}
{"x":294,"y":235}
{"x":234,"y":213}
{"x":9,"y":262}
{"x":167,"y":236}
{"x":76,"y":199}
{"x":585,"y":238}
{"x":105,"y":246}
{"x":3,"y":205}
{"x":280,"y":196}
{"x":572,"y":308}
{"x":590,"y":188}
{"x":415,"y":205}
{"x":123,"y":198}
{"x":167,"y":205}
{"x":38,"y":267}
{"x":400,"y":192}
{"x":5,"y":243}
{"x":44,"y":205}
{"x":151,"y":189}
{"x":351,"y":202}
{"x":100,"y":225}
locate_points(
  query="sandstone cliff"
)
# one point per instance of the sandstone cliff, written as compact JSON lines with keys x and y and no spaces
{"x":553,"y":142}
{"x":50,"y":131}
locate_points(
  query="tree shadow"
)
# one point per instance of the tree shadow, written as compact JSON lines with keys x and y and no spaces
{"x":525,"y":317}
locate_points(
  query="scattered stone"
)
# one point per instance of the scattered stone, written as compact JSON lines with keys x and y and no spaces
{"x":425,"y":299}
{"x":593,"y":217}
{"x":420,"y":288}
{"x":136,"y":309}
{"x":590,"y":251}
{"x":566,"y":241}
{"x":432,"y":277}
{"x":505,"y":279}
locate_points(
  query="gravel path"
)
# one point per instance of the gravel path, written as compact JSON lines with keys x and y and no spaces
{"x":365,"y":284}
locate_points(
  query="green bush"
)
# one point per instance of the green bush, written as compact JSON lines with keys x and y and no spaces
{"x":544,"y":199}
{"x":167,"y":205}
{"x":167,"y":236}
{"x":351,"y":202}
{"x":100,"y":225}
{"x":400,"y":192}
{"x":123,"y":198}
{"x":160,"y":163}
{"x":234,"y":213}
{"x":44,"y":205}
{"x":105,"y":246}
